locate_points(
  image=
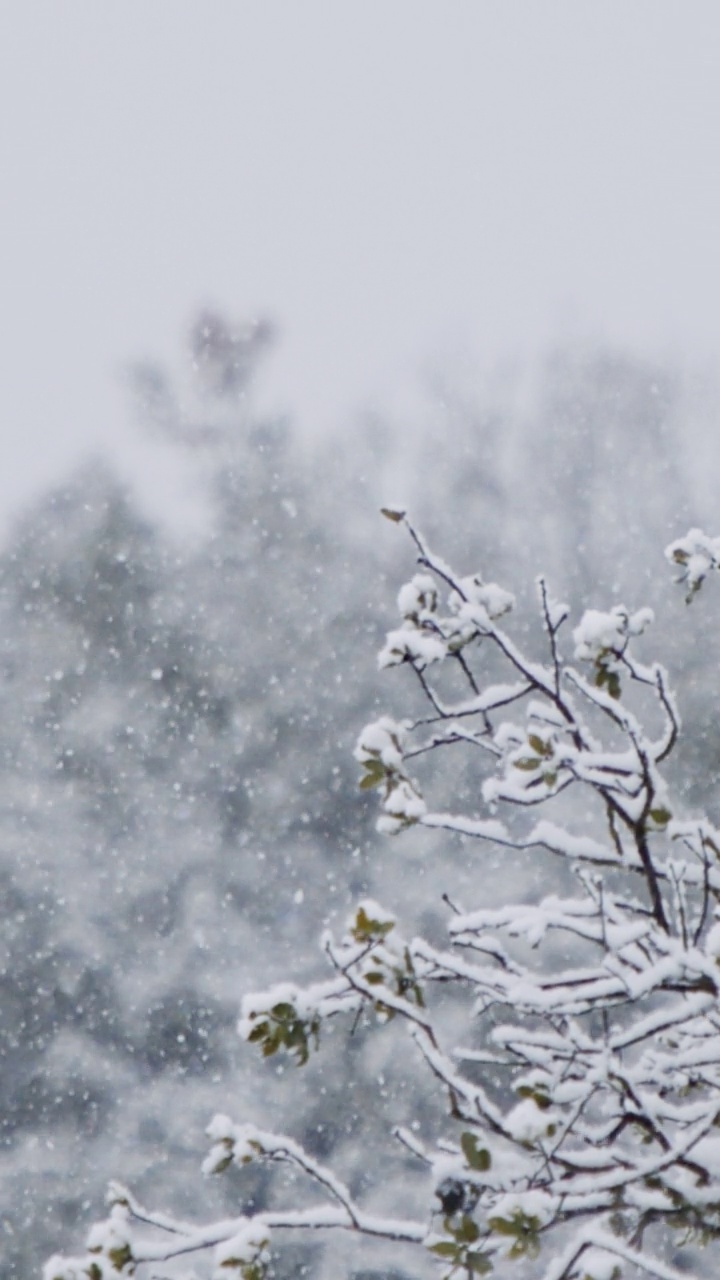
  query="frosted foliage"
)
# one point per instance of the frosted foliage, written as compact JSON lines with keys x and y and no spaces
{"x":696,"y":555}
{"x":572,"y":1038}
{"x":178,"y":807}
{"x":601,"y":633}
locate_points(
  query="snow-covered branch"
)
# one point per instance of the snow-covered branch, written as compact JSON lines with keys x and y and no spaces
{"x":584,"y":1101}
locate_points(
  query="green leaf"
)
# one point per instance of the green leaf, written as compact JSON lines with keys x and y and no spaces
{"x":478,"y":1158}
{"x":479,"y":1263}
{"x":370,"y":780}
{"x":524,"y":1227}
{"x":258,"y":1032}
{"x":526,"y":1247}
{"x":660,"y":816}
{"x":283,"y":1012}
{"x":366,"y":930}
{"x":468,"y":1231}
{"x":253,"y":1271}
{"x":541,"y":1100}
{"x":390,"y":514}
{"x":527,"y":763}
{"x":120,"y":1257}
{"x":502,"y":1226}
{"x":375,"y":767}
{"x":445,"y":1249}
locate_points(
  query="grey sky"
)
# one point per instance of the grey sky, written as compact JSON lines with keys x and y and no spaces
{"x":390,"y":179}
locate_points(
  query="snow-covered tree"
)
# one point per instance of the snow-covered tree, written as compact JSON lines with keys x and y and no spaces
{"x":572,"y":1038}
{"x":176,"y":796}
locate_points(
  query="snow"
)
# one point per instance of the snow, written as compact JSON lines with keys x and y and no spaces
{"x":494,"y":601}
{"x":592,"y":996}
{"x":411,"y":644}
{"x":418,"y":597}
{"x":383,"y":740}
{"x":599,"y":634}
{"x":247,"y":1245}
{"x":527,"y":1123}
{"x":697,"y":555}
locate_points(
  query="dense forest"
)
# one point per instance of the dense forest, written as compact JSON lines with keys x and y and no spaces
{"x":179,"y":803}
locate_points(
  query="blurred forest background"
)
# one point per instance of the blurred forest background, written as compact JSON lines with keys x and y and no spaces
{"x":179,"y":812}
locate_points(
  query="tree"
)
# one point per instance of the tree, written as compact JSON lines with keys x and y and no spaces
{"x":105,"y":696}
{"x":176,"y":794}
{"x":578,"y":1113}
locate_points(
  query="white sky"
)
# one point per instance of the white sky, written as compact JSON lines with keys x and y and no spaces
{"x":389,"y":179}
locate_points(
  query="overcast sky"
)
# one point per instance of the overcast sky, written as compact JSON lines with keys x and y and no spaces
{"x":392,"y":180}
